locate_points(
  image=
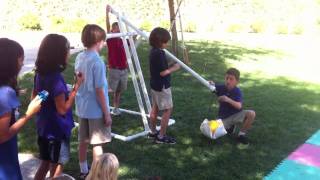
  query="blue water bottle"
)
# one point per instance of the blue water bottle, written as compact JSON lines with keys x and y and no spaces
{"x":43,"y":95}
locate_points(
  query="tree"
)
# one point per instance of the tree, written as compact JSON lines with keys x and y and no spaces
{"x":174,"y":41}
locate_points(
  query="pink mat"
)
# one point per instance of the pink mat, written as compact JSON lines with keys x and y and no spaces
{"x":307,"y":154}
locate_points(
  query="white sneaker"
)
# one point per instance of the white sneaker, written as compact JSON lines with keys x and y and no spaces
{"x":116,"y":111}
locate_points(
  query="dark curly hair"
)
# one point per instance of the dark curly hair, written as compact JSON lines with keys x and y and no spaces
{"x":52,"y":54}
{"x":10,"y":52}
{"x":158,"y":36}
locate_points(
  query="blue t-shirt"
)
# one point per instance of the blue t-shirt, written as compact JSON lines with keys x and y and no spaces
{"x":226,"y":109}
{"x":93,"y":69}
{"x":158,"y":63}
{"x":9,"y":163}
{"x":51,"y":124}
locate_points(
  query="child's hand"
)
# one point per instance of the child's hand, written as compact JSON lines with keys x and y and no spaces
{"x":34,"y":106}
{"x":108,"y":8}
{"x":79,"y":79}
{"x":211,"y":82}
{"x":107,"y":120}
{"x":224,"y":99}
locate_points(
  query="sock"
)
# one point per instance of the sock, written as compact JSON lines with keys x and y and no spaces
{"x":84,"y":167}
{"x":241,"y":133}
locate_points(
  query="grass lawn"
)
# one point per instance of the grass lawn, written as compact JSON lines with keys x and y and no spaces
{"x":288,"y":112}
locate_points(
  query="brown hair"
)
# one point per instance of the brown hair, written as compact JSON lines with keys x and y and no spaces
{"x":235,"y":72}
{"x":91,"y":34}
{"x":158,"y":36}
{"x":52,"y":54}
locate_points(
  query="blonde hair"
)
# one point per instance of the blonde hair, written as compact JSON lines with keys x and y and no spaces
{"x":105,"y":168}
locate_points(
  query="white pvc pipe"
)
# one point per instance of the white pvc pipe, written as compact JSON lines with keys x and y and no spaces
{"x":140,"y":75}
{"x":117,"y":35}
{"x":129,"y":138}
{"x":171,"y":121}
{"x":134,"y":79}
{"x":192,"y":72}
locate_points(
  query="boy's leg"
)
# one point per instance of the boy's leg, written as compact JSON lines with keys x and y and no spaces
{"x":153,"y":118}
{"x":83,"y":137}
{"x":96,"y":151}
{"x":99,"y":134}
{"x":164,"y":121}
{"x":248,"y":120}
{"x":116,"y":99}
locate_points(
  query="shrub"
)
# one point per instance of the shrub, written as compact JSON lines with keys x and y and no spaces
{"x":282,"y":29}
{"x":30,"y":21}
{"x":190,"y":27}
{"x":165,"y":24}
{"x":146,"y":25}
{"x":258,"y":26}
{"x":235,"y":28}
{"x":298,"y":29}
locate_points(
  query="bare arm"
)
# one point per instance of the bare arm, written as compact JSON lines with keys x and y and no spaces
{"x":107,"y":18}
{"x":102,"y":101}
{"x":7,"y":131}
{"x":170,"y":70}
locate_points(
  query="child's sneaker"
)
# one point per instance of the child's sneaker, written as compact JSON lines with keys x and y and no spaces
{"x":166,"y":140}
{"x":243,"y":140}
{"x":116,"y":111}
{"x":153,"y":135}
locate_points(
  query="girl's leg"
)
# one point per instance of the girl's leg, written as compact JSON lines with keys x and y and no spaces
{"x":55,"y":170}
{"x":42,"y":170}
{"x":96,"y":151}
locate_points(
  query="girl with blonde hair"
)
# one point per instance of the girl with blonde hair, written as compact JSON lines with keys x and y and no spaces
{"x":104,"y":168}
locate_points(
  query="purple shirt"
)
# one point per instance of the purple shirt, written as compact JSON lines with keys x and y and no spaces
{"x":51,"y":124}
{"x":226,"y":109}
{"x":9,"y":163}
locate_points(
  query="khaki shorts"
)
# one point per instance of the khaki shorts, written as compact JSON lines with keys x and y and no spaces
{"x":236,"y":118}
{"x":163,"y":99}
{"x":93,"y":131}
{"x":118,"y":79}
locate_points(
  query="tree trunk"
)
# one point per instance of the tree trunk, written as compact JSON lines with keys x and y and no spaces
{"x":174,"y":40}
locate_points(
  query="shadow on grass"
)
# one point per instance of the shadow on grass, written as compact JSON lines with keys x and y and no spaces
{"x":287,"y":115}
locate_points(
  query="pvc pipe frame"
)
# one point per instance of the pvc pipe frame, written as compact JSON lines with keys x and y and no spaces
{"x":168,"y":54}
{"x":143,"y":133}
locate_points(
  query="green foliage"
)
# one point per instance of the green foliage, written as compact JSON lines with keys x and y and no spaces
{"x":258,"y":26}
{"x":146,"y":25}
{"x":297,"y":29}
{"x":235,"y":28}
{"x":190,"y":27}
{"x":282,"y":29}
{"x":165,"y":24}
{"x":30,"y":21}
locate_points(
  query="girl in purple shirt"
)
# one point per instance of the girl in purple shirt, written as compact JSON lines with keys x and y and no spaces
{"x":11,"y":61}
{"x":54,"y":121}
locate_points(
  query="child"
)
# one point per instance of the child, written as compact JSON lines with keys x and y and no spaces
{"x":104,"y":168}
{"x":118,"y":73}
{"x":11,"y":61}
{"x":92,"y":101}
{"x":230,"y":106}
{"x":54,"y":121}
{"x":160,"y":84}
